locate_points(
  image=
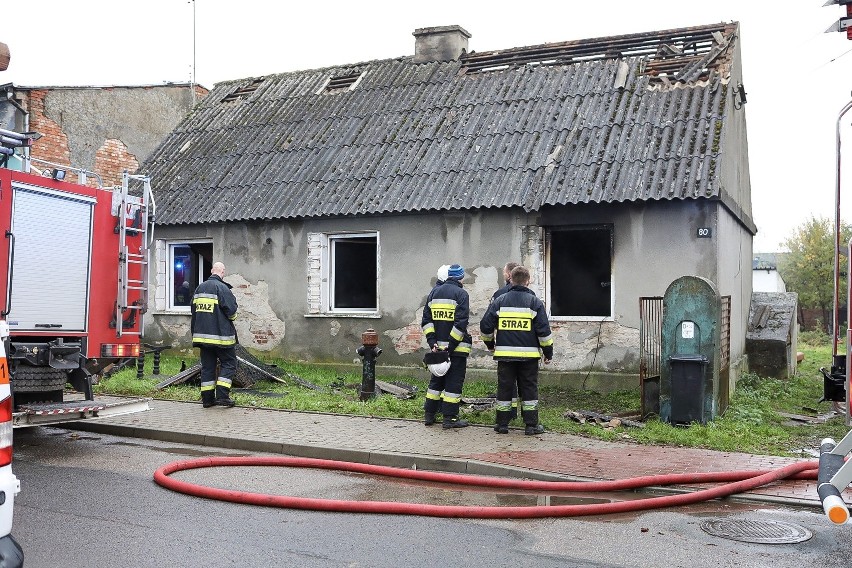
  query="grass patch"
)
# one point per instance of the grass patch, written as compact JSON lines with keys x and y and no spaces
{"x":751,"y":423}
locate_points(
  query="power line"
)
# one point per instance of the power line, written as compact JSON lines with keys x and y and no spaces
{"x":832,"y":60}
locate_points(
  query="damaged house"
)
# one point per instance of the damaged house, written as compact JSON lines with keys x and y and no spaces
{"x":610,"y":167}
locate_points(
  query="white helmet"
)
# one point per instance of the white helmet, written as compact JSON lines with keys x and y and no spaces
{"x":438,"y":362}
{"x":443,"y":273}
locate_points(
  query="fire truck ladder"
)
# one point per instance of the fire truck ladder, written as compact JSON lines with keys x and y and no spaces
{"x":132,"y":209}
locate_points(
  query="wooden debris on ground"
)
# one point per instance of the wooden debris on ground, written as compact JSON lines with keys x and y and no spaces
{"x":486,"y":400}
{"x":188,"y":375}
{"x":400,"y":392}
{"x":801,"y":419}
{"x":193,"y":374}
{"x":605,"y":420}
{"x":480,"y":404}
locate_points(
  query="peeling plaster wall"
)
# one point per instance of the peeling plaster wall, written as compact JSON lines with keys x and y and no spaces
{"x":257,"y":325}
{"x":139,"y":117}
{"x":267,"y":262}
{"x":104,"y":129}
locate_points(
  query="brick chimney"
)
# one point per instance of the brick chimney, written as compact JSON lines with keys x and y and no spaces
{"x":442,"y":43}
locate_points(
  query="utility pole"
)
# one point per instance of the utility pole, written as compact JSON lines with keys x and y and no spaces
{"x":837,"y":229}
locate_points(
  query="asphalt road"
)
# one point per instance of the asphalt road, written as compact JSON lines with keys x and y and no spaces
{"x":89,"y":500}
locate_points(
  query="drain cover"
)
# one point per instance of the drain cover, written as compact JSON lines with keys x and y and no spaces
{"x":762,"y":532}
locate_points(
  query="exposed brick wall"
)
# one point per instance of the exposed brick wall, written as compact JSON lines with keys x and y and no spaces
{"x":411,"y":340}
{"x":53,"y":144}
{"x":112,"y":159}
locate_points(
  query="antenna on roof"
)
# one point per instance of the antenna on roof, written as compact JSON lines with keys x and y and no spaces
{"x":192,"y":72}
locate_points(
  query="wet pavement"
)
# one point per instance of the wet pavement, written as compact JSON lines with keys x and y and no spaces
{"x":407,"y":443}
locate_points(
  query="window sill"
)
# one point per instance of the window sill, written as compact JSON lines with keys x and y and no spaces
{"x":171,"y":313}
{"x":596,"y":319}
{"x":359,"y":315}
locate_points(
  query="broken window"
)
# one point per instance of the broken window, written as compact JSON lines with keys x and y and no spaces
{"x":580,"y":271}
{"x":188,"y":265}
{"x":343,"y":272}
{"x":353,"y":274}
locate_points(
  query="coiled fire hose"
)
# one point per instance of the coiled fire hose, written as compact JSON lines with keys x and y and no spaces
{"x":734,"y":482}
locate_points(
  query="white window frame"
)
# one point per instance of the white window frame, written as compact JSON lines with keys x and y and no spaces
{"x":168,"y":280}
{"x":321,"y":247}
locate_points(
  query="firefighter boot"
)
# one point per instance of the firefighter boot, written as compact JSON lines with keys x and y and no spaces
{"x":453,"y":422}
{"x":503,"y":418}
{"x":223,"y":393}
{"x":207,"y":398}
{"x":531,"y":420}
{"x":430,"y":409}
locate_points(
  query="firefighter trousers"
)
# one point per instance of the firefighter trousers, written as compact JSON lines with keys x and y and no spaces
{"x":444,"y":393}
{"x":226,"y":358}
{"x":519,"y":377}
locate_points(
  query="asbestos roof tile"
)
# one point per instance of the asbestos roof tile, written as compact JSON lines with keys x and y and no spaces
{"x":436,"y":136}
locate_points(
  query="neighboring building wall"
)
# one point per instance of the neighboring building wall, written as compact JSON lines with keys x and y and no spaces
{"x":53,"y":145}
{"x":103,"y":129}
{"x":767,"y":280}
{"x":653,"y":244}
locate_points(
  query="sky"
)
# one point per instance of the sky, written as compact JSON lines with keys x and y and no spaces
{"x":797,"y":77}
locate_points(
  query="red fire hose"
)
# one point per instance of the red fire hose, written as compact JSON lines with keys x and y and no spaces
{"x":735,"y":482}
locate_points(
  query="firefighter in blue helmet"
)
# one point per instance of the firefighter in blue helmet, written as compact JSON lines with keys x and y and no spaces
{"x":444,"y":324}
{"x":214,"y":310}
{"x":515,"y":328}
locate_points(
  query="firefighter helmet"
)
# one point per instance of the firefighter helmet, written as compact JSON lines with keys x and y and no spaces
{"x":438,"y":362}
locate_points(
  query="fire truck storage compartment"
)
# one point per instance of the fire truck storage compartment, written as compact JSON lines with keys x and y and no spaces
{"x":52,"y":248}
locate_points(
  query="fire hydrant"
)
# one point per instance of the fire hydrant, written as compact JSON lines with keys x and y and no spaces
{"x":368,"y":352}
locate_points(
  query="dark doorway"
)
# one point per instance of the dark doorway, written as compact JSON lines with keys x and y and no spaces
{"x":580,"y":271}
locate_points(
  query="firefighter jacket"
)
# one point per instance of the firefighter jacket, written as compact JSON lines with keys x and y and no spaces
{"x":501,"y":291}
{"x":516,"y":327}
{"x":214,"y":310}
{"x":445,"y":317}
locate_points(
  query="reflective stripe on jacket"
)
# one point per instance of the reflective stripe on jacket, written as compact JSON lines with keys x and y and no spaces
{"x":445,"y":317}
{"x":214,"y":308}
{"x":516,"y":326}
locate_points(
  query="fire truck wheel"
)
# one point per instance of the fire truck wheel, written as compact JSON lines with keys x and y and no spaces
{"x":38,"y":379}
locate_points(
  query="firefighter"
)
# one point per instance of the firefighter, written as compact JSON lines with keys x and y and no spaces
{"x":507,"y":278}
{"x":214,"y":310}
{"x":444,"y":324}
{"x":516,"y":330}
{"x":183,"y":296}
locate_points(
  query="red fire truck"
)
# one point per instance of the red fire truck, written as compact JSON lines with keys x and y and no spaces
{"x":73,"y":260}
